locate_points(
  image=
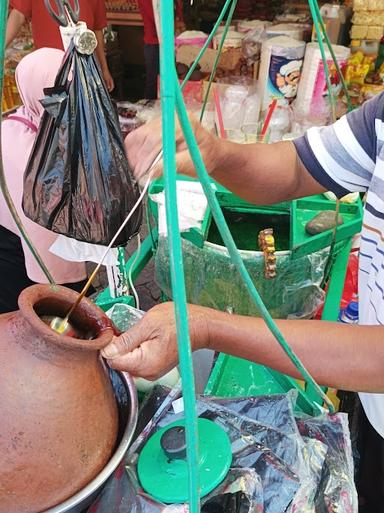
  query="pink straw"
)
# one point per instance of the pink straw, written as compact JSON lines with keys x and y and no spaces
{"x":271,"y":110}
{"x":223,"y":135}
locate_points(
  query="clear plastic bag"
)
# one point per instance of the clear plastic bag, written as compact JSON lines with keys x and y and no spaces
{"x":212,"y":280}
{"x":304,"y":466}
{"x":336,"y":491}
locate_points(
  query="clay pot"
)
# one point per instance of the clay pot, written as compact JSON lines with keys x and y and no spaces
{"x":58,"y":415}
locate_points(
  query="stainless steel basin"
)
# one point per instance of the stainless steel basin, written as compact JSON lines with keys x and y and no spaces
{"x":126,"y":397}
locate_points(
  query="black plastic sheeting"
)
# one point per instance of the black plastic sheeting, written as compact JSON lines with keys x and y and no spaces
{"x":78,"y":181}
{"x":281,"y":463}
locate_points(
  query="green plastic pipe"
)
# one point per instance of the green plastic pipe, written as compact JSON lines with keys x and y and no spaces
{"x":3,"y":26}
{"x":231,"y":246}
{"x":167,"y":84}
{"x":206,"y":44}
{"x":3,"y":182}
{"x":323,"y":58}
{"x":219,"y":50}
{"x":320,"y":27}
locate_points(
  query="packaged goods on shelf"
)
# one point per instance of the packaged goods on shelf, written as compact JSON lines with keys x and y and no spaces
{"x":312,"y":93}
{"x":360,"y":5}
{"x":359,"y":31}
{"x":375,"y":32}
{"x":191,"y":37}
{"x":375,"y":5}
{"x":247,"y":25}
{"x":280,"y":69}
{"x":293,"y":30}
{"x":368,"y":17}
{"x":233,"y":39}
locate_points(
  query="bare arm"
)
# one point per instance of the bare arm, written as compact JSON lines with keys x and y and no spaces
{"x":100,"y":53}
{"x":264,"y":173}
{"x":343,"y":356}
{"x":259,"y":173}
{"x":14,"y":23}
{"x":346,"y":357}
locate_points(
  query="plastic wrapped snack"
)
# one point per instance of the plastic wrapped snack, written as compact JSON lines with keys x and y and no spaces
{"x":360,"y":5}
{"x":359,"y":31}
{"x":375,"y":32}
{"x":362,"y":18}
{"x":375,"y":5}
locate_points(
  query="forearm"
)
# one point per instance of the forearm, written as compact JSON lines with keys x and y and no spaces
{"x":14,"y":23}
{"x":346,"y":357}
{"x":100,"y":53}
{"x":261,"y":173}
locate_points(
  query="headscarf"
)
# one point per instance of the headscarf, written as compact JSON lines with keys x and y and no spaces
{"x":34,"y":73}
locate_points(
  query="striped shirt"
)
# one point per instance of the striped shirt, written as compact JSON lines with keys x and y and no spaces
{"x":348,"y":156}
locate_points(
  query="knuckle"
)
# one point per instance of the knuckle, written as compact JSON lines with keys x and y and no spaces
{"x":125,"y":341}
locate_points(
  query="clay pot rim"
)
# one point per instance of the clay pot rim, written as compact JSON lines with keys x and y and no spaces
{"x":31,"y":295}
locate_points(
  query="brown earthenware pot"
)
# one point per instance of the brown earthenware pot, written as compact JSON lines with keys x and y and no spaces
{"x":58,"y":415}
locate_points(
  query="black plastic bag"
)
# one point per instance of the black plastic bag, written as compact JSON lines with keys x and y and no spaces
{"x":77,"y":181}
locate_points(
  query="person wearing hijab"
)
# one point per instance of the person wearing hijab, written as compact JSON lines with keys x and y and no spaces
{"x":18,"y":268}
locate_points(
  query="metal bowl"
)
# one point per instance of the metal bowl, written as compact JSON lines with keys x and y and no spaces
{"x":126,"y":397}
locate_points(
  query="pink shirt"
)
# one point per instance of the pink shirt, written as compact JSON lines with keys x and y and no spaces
{"x":15,"y":136}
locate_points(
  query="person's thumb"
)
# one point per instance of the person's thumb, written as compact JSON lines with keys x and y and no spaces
{"x":132,"y":362}
{"x":124,"y":343}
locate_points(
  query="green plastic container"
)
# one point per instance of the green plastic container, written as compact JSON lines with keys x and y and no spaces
{"x":232,"y":376}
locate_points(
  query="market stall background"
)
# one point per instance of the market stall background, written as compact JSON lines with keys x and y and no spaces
{"x":363,"y":27}
{"x":363,"y":73}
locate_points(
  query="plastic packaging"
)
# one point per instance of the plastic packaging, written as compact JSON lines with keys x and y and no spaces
{"x":337,"y":491}
{"x":312,"y":95}
{"x":232,"y":40}
{"x":211,"y":280}
{"x":77,"y":181}
{"x":245,"y":26}
{"x":280,"y":123}
{"x":239,"y":101}
{"x":280,"y":69}
{"x":191,"y":37}
{"x":295,"y":462}
{"x":252,"y":42}
{"x":280,"y":463}
{"x":293,"y":30}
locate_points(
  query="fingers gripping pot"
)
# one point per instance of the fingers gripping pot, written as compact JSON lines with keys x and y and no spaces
{"x":77,"y":181}
{"x":59,"y":416}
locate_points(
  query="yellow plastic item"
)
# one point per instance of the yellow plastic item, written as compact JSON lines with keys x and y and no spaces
{"x":355,"y":74}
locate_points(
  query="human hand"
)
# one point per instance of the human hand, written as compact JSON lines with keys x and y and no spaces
{"x":108,"y":79}
{"x":144,"y":144}
{"x":149,"y":349}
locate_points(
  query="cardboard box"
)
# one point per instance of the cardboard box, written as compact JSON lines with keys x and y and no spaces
{"x":186,"y":54}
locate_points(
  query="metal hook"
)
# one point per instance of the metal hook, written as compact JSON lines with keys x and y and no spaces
{"x":67,"y":15}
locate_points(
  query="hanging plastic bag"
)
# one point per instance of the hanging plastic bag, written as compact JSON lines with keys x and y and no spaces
{"x":77,"y":181}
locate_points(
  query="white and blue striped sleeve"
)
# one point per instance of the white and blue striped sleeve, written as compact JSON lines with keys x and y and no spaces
{"x":342,"y":156}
